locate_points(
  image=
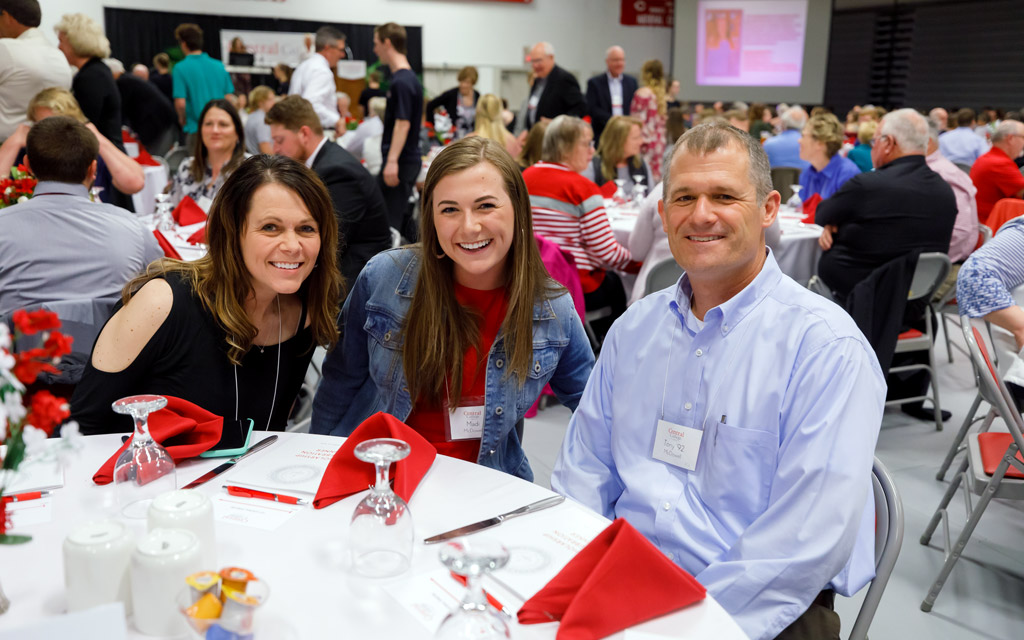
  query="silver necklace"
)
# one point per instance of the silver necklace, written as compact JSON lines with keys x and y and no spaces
{"x":277,"y":371}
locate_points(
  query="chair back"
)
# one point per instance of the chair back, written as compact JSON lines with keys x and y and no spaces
{"x":932,"y":269}
{"x":991,"y":385}
{"x":662,"y":275}
{"x":174,"y":158}
{"x":783,"y":178}
{"x":889,"y":524}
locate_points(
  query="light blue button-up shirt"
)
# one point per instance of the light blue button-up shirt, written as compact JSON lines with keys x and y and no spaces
{"x":962,"y":145}
{"x":789,"y":396}
{"x":615,"y":89}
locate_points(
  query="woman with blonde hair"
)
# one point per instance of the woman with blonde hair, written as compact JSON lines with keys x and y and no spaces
{"x":650,"y":107}
{"x":82,"y":42}
{"x":234,"y":331}
{"x":618,"y":155}
{"x":820,"y":144}
{"x":490,"y":125}
{"x":257,"y":132}
{"x":491,"y":327}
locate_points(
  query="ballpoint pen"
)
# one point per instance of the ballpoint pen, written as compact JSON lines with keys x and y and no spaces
{"x":22,"y":497}
{"x":243,"y":492}
{"x":490,"y":599}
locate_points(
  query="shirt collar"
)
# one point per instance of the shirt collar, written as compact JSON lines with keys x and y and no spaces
{"x":728,"y":315}
{"x":44,"y":187}
{"x":316,"y":152}
{"x":613,"y":79}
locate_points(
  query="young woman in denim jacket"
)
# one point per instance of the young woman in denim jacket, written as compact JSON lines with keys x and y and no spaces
{"x":471,"y":308}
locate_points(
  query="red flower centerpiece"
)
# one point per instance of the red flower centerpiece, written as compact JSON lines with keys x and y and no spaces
{"x":18,"y":188}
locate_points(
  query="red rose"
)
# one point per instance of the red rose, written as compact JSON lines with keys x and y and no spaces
{"x":58,"y":344}
{"x":30,"y":322}
{"x":46,"y":411}
{"x":29,"y":364}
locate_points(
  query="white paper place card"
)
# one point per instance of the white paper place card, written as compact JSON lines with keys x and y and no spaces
{"x":30,"y":512}
{"x":292,"y":468}
{"x":260,"y":514}
{"x":36,"y":475}
{"x":105,"y":622}
{"x":428,"y":597}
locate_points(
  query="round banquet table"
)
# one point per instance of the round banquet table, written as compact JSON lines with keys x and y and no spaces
{"x":797,"y":254}
{"x":314,"y":593}
{"x":156,"y":179}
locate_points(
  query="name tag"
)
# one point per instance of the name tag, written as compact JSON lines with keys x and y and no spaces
{"x":617,"y":100}
{"x":677,"y":445}
{"x":465,"y":422}
{"x":534,"y":99}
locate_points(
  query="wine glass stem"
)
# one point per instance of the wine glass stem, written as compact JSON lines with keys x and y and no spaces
{"x":142,"y":435}
{"x":383,"y":484}
{"x":474,"y":590}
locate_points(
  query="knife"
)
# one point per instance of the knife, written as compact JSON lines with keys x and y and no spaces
{"x":496,"y":520}
{"x":209,"y":475}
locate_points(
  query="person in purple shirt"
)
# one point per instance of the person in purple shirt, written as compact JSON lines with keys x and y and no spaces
{"x":784,"y":149}
{"x":820,"y":143}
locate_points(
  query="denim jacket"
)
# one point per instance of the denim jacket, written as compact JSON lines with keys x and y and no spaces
{"x":364,"y":373}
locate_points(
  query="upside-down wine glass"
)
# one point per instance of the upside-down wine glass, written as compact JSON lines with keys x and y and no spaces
{"x":381,"y":533}
{"x":144,"y":469}
{"x":620,"y":191}
{"x":474,"y":619}
{"x":794,"y":201}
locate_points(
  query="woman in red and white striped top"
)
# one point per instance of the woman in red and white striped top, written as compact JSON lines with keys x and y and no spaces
{"x":568,"y":209}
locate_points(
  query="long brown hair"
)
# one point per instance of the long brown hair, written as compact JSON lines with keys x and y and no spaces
{"x":438,"y":330}
{"x":221,"y":280}
{"x":613,"y":145}
{"x":201,"y":153}
{"x":652,"y":75}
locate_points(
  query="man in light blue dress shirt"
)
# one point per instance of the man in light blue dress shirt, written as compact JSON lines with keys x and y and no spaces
{"x":962,"y":145}
{"x":784,"y":149}
{"x":737,"y":431}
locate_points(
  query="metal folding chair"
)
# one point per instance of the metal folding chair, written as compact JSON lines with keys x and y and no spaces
{"x":947,"y":307}
{"x":930,"y":272}
{"x":662,"y":275}
{"x":889,"y":522}
{"x":992,"y":467}
{"x":783,"y":178}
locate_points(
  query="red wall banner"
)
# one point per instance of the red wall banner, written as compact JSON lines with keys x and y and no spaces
{"x":647,"y":13}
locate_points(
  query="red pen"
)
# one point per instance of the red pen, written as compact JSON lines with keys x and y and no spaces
{"x":22,"y":497}
{"x":490,"y":599}
{"x":242,"y":492}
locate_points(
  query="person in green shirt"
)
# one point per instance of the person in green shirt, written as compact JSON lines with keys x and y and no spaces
{"x":198,"y":78}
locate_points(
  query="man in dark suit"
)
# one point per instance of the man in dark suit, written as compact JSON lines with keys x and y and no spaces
{"x":610,"y":93}
{"x":296,"y":132}
{"x":555,"y":91}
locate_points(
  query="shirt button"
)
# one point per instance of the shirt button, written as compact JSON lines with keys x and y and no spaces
{"x":499,"y":363}
{"x":666,"y":506}
{"x":725,"y":328}
{"x":699,"y":352}
{"x":688,"y":406}
{"x":499,"y":411}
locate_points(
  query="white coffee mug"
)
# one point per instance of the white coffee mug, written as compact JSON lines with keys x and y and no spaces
{"x":96,"y":559}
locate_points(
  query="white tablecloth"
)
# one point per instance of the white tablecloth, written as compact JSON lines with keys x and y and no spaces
{"x":156,"y":180}
{"x":314,"y":594}
{"x":179,"y":238}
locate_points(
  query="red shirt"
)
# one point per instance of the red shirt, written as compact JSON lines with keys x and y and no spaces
{"x":996,"y":176}
{"x":428,"y":417}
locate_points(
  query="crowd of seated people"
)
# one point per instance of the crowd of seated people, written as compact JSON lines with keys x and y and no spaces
{"x":299,"y":235}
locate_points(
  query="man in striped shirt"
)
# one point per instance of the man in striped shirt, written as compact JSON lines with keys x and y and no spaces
{"x":569,"y":210}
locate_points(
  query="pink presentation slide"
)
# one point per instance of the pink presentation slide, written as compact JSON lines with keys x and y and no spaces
{"x":750,"y":42}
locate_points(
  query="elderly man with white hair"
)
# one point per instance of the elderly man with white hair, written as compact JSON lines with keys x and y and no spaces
{"x":896,"y":211}
{"x":784,"y":149}
{"x":554,"y":92}
{"x":610,"y":93}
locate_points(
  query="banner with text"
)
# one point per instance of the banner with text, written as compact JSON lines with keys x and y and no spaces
{"x":267,"y":47}
{"x":647,"y":13}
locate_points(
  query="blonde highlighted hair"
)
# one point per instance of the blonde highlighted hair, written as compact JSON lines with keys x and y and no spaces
{"x":257,"y":96}
{"x":488,"y":119}
{"x":613,"y":144}
{"x":444,"y":330}
{"x":59,"y":101}
{"x":84,"y":34}
{"x":652,"y":75}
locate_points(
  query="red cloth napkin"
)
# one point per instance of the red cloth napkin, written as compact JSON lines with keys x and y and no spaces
{"x":810,"y":206}
{"x":184,"y":429}
{"x":145,"y":159}
{"x":347,"y":474}
{"x":199,"y":237}
{"x":188,"y":212}
{"x":169,"y":250}
{"x":608,"y":189}
{"x":618,"y":580}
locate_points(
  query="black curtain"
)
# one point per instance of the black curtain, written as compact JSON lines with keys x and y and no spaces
{"x":136,"y":36}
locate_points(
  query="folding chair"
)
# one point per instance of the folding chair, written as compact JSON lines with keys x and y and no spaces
{"x":783,"y":178}
{"x":662,"y":275}
{"x":889,"y":522}
{"x":992,"y":468}
{"x":947,"y":306}
{"x":930,"y":272}
{"x":985,"y":394}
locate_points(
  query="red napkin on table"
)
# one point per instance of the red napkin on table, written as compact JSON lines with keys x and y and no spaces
{"x":184,"y":429}
{"x":608,"y":189}
{"x":347,"y":474}
{"x":810,"y":206}
{"x":169,"y":250}
{"x":618,"y":580}
{"x":145,"y":159}
{"x":188,"y":212}
{"x":199,"y":237}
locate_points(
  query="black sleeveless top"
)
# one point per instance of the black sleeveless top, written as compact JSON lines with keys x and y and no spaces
{"x":187,"y":358}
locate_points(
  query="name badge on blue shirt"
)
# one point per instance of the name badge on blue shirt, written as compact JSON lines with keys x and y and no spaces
{"x":677,"y":445}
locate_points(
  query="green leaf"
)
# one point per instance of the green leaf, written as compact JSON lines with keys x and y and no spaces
{"x":8,"y":538}
{"x":15,"y":449}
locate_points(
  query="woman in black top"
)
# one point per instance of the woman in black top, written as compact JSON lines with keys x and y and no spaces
{"x":459,"y":102}
{"x":234,"y":331}
{"x":82,"y":41}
